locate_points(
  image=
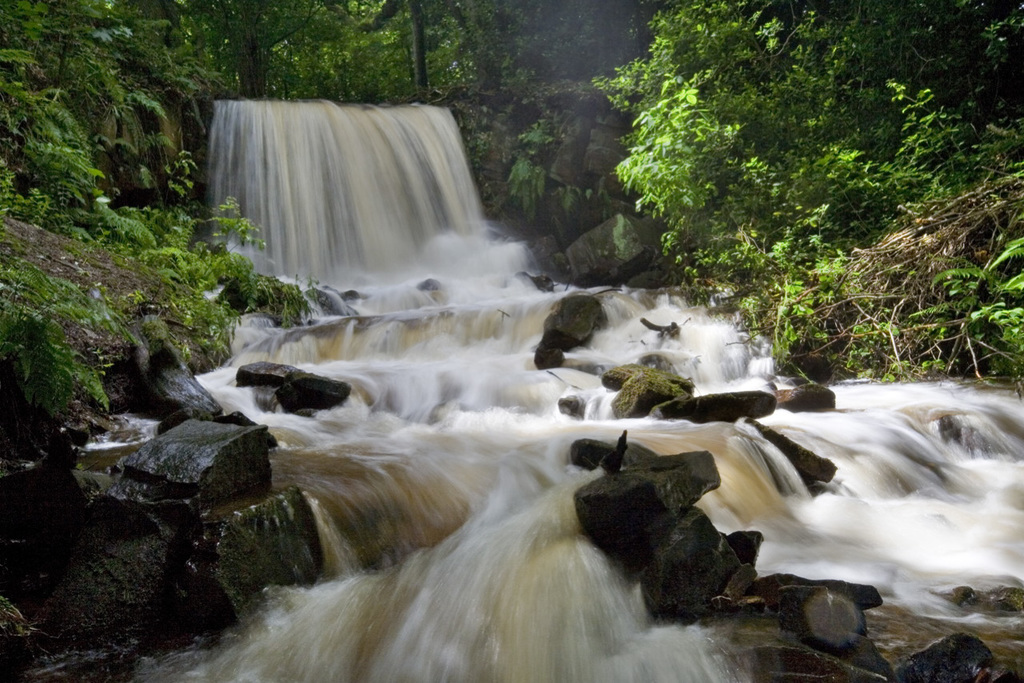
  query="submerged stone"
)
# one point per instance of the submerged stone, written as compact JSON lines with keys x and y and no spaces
{"x":956,"y":658}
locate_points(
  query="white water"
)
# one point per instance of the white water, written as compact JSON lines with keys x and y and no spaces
{"x":445,"y":494}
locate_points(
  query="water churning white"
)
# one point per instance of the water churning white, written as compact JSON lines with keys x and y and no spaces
{"x":445,"y":496}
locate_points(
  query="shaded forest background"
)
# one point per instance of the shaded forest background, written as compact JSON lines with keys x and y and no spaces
{"x":847,"y":174}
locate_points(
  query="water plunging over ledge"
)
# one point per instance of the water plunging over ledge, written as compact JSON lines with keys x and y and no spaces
{"x":446,"y":471}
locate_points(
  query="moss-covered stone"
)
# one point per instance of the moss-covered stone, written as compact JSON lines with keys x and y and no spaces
{"x":274,"y":543}
{"x":642,"y":388}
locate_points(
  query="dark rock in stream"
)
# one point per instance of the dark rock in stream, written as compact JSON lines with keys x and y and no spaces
{"x":168,"y":384}
{"x":262,"y":374}
{"x":613,"y":252}
{"x":811,"y":467}
{"x":746,"y":545}
{"x":825,"y":620}
{"x":692,"y":566}
{"x":810,"y":397}
{"x":726,"y":407}
{"x":959,"y":658}
{"x":206,"y":462}
{"x":331,"y":301}
{"x":642,"y":388}
{"x":588,"y":453}
{"x":545,"y":358}
{"x":573,"y":406}
{"x":573,"y":321}
{"x":306,"y":391}
{"x":272,"y":543}
{"x":770,"y":589}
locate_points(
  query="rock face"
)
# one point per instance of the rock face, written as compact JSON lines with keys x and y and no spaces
{"x":168,"y":383}
{"x":642,"y":388}
{"x":206,"y":462}
{"x":611,"y":253}
{"x":727,"y":407}
{"x":306,"y":391}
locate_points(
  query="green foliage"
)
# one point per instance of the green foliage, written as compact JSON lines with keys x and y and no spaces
{"x":32,"y":307}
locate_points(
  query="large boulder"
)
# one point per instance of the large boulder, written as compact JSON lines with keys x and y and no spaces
{"x":168,"y":383}
{"x":573,"y":321}
{"x":624,"y":516}
{"x":689,"y":569}
{"x":812,"y":468}
{"x":642,"y":388}
{"x":681,"y":479}
{"x":306,"y":391}
{"x":726,"y":407}
{"x":206,"y":462}
{"x":611,"y":253}
{"x":42,"y":511}
{"x":272,"y":543}
{"x":119,"y":575}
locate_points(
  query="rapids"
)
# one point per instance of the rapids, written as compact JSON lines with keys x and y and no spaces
{"x":445,"y":498}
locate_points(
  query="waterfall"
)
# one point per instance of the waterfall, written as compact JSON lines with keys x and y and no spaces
{"x":442,"y":486}
{"x":335,"y":188}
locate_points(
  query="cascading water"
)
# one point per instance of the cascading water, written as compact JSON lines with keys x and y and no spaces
{"x":445,"y":498}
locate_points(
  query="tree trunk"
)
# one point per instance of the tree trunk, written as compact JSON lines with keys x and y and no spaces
{"x":419,"y":46}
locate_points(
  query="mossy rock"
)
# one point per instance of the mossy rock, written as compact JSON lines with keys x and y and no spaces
{"x":642,"y":388}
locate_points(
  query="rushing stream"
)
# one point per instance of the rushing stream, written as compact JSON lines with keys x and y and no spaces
{"x":445,"y":499}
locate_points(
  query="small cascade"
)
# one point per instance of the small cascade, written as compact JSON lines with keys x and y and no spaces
{"x":338,"y":188}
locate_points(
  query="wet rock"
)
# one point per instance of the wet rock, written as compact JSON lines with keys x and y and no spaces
{"x":770,"y":587}
{"x":274,"y":543}
{"x":958,"y":658}
{"x":796,"y":664}
{"x":820,"y":618}
{"x":429,"y":285}
{"x":546,"y":358}
{"x":118,"y":578}
{"x":611,"y":253}
{"x":573,"y":406}
{"x":681,"y":479}
{"x":304,"y":390}
{"x":262,"y":374}
{"x":179,"y":416}
{"x":331,"y":301}
{"x":206,"y":462}
{"x":746,"y":545}
{"x":624,"y":516}
{"x":572,"y":322}
{"x":241,"y":420}
{"x":726,"y":407}
{"x":42,"y":511}
{"x":811,"y":397}
{"x":691,"y":567}
{"x":588,"y":453}
{"x":543,"y":283}
{"x":736,"y":589}
{"x":658,"y":361}
{"x":168,"y":384}
{"x":962,"y":596}
{"x":811,"y":467}
{"x":642,"y":388}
